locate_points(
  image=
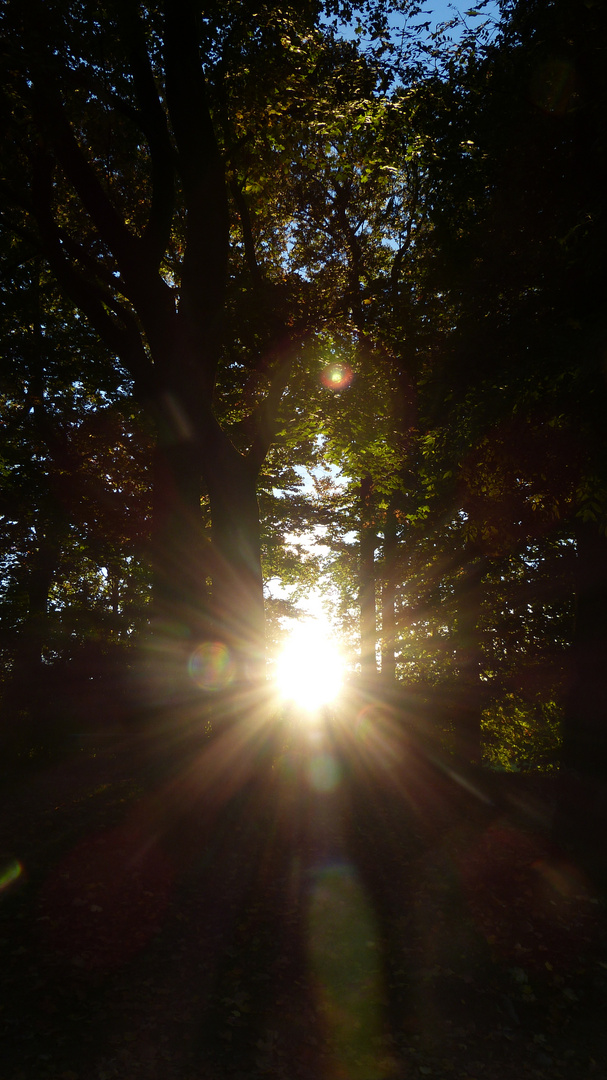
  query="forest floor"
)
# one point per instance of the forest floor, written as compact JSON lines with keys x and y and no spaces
{"x":311,"y":921}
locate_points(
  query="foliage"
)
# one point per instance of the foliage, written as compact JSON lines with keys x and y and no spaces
{"x":521,"y":735}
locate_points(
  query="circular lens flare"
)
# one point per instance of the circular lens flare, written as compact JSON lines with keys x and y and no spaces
{"x":211,"y":666}
{"x":336,"y":376}
{"x":309,"y":669}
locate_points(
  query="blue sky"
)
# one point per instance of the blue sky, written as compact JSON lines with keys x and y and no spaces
{"x":436,"y":12}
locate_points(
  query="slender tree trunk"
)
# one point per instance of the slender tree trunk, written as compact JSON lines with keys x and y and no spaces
{"x":366,"y":594}
{"x":469,"y":695}
{"x":581,"y":817}
{"x":24,"y":704}
{"x":388,"y":594}
{"x":114,"y":582}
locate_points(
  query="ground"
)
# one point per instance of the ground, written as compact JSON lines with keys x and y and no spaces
{"x":318,"y":914}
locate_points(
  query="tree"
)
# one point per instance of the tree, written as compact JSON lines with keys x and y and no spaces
{"x":149,"y":153}
{"x":73,"y":501}
{"x":528,"y":148}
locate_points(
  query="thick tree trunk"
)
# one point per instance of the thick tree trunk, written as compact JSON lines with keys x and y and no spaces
{"x":179,"y":550}
{"x":180,"y":562}
{"x":581,"y":818}
{"x":238,"y":603}
{"x":206,"y":589}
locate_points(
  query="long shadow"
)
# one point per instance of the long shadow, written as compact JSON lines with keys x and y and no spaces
{"x":383,"y":841}
{"x":402,"y":811}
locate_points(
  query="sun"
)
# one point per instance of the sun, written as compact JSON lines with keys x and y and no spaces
{"x":309,"y":670}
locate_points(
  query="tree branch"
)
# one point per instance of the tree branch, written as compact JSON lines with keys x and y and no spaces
{"x":49,"y":115}
{"x":153,"y":122}
{"x":263,"y":421}
{"x":204,"y":271}
{"x":247,"y":233}
{"x":123,"y":340}
{"x":353,"y":247}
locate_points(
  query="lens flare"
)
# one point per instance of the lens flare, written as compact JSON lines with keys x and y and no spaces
{"x":343,"y":944}
{"x":212,"y":667}
{"x":553,"y":86}
{"x":309,"y":670}
{"x":336,"y":376}
{"x":323,"y":773}
{"x":10,"y":873}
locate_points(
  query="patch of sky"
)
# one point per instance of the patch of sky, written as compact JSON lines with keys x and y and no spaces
{"x":314,"y":604}
{"x":426,"y":24}
{"x":332,"y":471}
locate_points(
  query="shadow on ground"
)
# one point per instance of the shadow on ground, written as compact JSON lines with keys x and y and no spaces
{"x":333,"y":904}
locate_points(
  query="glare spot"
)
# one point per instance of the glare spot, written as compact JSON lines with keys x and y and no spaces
{"x":211,"y":666}
{"x":553,"y":86}
{"x":309,"y":670}
{"x":336,"y":376}
{"x":347,"y":973}
{"x":363,"y":726}
{"x":323,"y":773}
{"x":10,"y":873}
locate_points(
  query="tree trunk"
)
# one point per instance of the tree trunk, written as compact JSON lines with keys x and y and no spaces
{"x":366,"y":578}
{"x":207,"y":582}
{"x":469,"y":696}
{"x":179,"y":547}
{"x":388,"y":594}
{"x":179,"y":558}
{"x":238,"y":603}
{"x":581,"y":817}
{"x":24,"y":704}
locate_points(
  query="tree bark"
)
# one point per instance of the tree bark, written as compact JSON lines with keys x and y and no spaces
{"x":366,"y":571}
{"x":24,"y":703}
{"x":469,"y":695}
{"x":206,"y":588}
{"x":238,"y":604}
{"x":388,"y":595}
{"x":581,"y":816}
